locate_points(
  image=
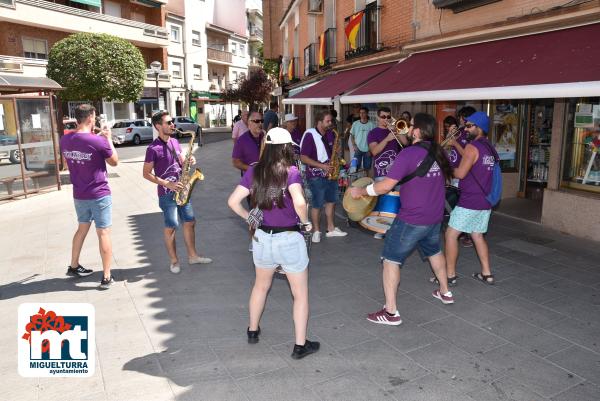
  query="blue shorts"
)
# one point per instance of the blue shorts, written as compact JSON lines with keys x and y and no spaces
{"x":364,"y":159}
{"x":469,"y":220}
{"x":99,"y":210}
{"x":402,"y":238}
{"x":322,"y":191}
{"x":171,"y":211}
{"x":286,"y":249}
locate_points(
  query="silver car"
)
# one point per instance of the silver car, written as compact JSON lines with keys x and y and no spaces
{"x":187,"y":124}
{"x":131,"y":131}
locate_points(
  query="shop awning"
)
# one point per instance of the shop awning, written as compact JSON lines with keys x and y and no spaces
{"x":17,"y":83}
{"x":334,"y":85}
{"x":562,"y":63}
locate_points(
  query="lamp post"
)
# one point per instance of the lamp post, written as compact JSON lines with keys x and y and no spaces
{"x":155,"y":67}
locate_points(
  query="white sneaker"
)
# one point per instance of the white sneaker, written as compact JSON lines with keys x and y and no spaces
{"x":199,"y":260}
{"x":175,"y":269}
{"x":336,"y":233}
{"x":379,"y":236}
{"x":316,"y":237}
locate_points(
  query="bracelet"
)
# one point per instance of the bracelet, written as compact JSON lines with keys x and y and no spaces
{"x":371,"y":190}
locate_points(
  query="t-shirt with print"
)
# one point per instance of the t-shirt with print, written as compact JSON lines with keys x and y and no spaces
{"x":478,"y":182}
{"x":247,"y":148}
{"x":85,"y":154}
{"x":360,"y":131}
{"x":278,"y":217}
{"x":422,"y":198}
{"x":309,"y":149}
{"x":382,"y":161}
{"x":166,"y":166}
{"x":453,"y":156}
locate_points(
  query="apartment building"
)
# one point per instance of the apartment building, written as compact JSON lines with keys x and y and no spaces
{"x":533,"y":66}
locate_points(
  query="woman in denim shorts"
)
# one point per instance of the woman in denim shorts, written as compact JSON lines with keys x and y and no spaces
{"x":275,"y":188}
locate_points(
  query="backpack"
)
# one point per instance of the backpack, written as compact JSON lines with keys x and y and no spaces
{"x":495,"y":194}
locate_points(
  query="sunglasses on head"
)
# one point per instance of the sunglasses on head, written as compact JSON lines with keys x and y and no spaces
{"x":469,"y":125}
{"x":257,"y":121}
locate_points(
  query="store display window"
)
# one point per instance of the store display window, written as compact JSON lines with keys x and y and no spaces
{"x":505,"y":132}
{"x":582,"y":151}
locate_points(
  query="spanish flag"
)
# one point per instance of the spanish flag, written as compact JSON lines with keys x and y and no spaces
{"x":322,"y":49}
{"x":351,"y":29}
{"x":291,"y":69}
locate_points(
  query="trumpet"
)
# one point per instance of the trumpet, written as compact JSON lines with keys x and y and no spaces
{"x":451,"y":135}
{"x":398,"y":127}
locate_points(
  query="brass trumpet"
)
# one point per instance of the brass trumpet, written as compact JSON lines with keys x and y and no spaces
{"x":451,"y":135}
{"x":398,"y":127}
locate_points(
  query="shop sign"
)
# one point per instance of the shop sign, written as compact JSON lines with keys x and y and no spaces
{"x":584,"y":120}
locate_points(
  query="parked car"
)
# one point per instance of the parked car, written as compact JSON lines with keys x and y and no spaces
{"x":131,"y":131}
{"x":187,"y":124}
{"x":12,"y":154}
{"x":69,"y":126}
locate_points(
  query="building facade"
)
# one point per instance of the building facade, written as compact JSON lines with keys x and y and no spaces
{"x":532,"y":66}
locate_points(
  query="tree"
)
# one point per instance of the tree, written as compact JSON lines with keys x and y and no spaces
{"x":255,"y":89}
{"x":92,"y":66}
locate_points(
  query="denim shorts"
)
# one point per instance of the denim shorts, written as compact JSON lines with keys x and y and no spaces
{"x":469,"y":221}
{"x":286,"y":249}
{"x":99,"y":210}
{"x":364,"y":159}
{"x":171,"y":211}
{"x":402,"y":238}
{"x":322,"y":191}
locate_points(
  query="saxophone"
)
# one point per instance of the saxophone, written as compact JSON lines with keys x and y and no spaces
{"x":188,"y":180}
{"x":334,"y":172}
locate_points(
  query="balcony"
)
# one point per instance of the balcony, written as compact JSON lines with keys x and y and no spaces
{"x":59,"y":17}
{"x":295,"y":70}
{"x":218,"y":55}
{"x":23,"y":66}
{"x":256,"y":34}
{"x":330,"y":56}
{"x":458,"y":6}
{"x":311,"y":60}
{"x":368,"y":37}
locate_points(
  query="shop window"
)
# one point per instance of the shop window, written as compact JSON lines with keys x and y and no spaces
{"x":505,"y":131}
{"x":35,"y":48}
{"x":582,"y":150}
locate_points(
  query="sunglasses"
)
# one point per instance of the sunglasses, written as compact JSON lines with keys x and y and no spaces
{"x":469,"y":125}
{"x":387,"y":116}
{"x":169,"y":122}
{"x":257,"y":121}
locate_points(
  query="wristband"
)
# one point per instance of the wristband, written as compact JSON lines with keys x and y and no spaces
{"x":371,"y":190}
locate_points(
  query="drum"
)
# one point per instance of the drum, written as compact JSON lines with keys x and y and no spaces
{"x":384,"y":213}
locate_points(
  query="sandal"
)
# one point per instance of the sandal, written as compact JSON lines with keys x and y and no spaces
{"x":483,"y":278}
{"x":451,"y":281}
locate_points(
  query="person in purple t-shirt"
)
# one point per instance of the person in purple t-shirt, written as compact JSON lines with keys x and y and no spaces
{"x":315,"y":152}
{"x":164,"y":156}
{"x":418,"y":223}
{"x":247,"y":148}
{"x":472,"y":213}
{"x":291,"y":124}
{"x":86,"y":155}
{"x":275,"y":187}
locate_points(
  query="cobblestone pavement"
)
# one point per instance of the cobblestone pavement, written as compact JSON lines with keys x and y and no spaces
{"x":159,"y":336}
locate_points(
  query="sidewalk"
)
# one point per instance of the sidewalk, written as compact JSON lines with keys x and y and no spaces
{"x":159,"y":336}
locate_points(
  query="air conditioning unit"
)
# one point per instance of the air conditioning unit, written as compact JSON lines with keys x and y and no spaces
{"x":315,"y":6}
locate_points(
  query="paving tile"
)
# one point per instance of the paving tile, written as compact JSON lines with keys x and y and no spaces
{"x":526,"y":247}
{"x":383,"y":364}
{"x":475,"y":312}
{"x":464,"y":335}
{"x":354,"y":305}
{"x":478,"y":290}
{"x":576,"y":308}
{"x":526,"y":290}
{"x":339,"y":331}
{"x":447,"y":362}
{"x":584,"y":334}
{"x":250,"y":359}
{"x":580,"y":361}
{"x":416,"y":310}
{"x":282,"y":384}
{"x":583,"y":391}
{"x":539,"y":375}
{"x":505,"y":389}
{"x":573,"y":273}
{"x":352,"y":386}
{"x":406,"y":337}
{"x":533,"y":313}
{"x":430,"y":388}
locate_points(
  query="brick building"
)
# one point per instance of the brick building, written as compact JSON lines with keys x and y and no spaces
{"x":532,"y":65}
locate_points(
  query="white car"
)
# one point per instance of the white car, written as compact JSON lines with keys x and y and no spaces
{"x":131,"y":131}
{"x":187,"y":124}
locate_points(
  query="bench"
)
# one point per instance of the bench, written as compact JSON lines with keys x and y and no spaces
{"x":9,"y":181}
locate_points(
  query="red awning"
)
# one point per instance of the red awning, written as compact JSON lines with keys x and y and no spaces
{"x":334,"y":85}
{"x":563,"y":63}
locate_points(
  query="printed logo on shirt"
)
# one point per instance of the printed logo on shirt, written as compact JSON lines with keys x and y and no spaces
{"x":452,"y":155}
{"x":171,"y":174}
{"x":384,"y":162}
{"x":434,"y":171}
{"x":488,"y":161}
{"x":77,"y":156}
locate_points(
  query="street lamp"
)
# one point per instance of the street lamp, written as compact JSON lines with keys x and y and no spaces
{"x":155,"y":67}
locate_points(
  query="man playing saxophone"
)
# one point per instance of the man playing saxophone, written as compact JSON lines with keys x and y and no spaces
{"x":165,"y":158}
{"x":316,"y":150}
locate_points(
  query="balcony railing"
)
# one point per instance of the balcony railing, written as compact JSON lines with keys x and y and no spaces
{"x":330,"y":55}
{"x":368,"y":37}
{"x":219,"y":55}
{"x":295,"y":70}
{"x":149,"y":30}
{"x":163,"y":75}
{"x":21,"y":64}
{"x":310,"y":59}
{"x":256,"y":33}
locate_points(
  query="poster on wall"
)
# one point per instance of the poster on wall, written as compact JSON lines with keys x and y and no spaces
{"x":505,"y":130}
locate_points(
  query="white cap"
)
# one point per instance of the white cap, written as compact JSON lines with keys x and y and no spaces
{"x":278,"y":136}
{"x":290,"y":117}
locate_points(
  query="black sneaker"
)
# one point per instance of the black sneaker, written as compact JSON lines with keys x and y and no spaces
{"x":80,"y":271}
{"x":253,"y":335}
{"x":107,"y":282}
{"x":309,"y":347}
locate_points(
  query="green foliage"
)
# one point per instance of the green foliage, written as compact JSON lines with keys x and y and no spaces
{"x":271,"y":67}
{"x":94,"y":66}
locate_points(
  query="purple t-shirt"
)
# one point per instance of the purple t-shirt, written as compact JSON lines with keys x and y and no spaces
{"x":453,"y":156}
{"x":247,"y":148}
{"x":382,"y":162}
{"x":422,"y":198}
{"x":472,"y":194}
{"x":278,"y":217}
{"x":296,"y":137}
{"x":166,"y":166}
{"x":85,"y":154}
{"x":309,"y":149}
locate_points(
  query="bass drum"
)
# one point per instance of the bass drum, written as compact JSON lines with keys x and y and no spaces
{"x":381,"y":218}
